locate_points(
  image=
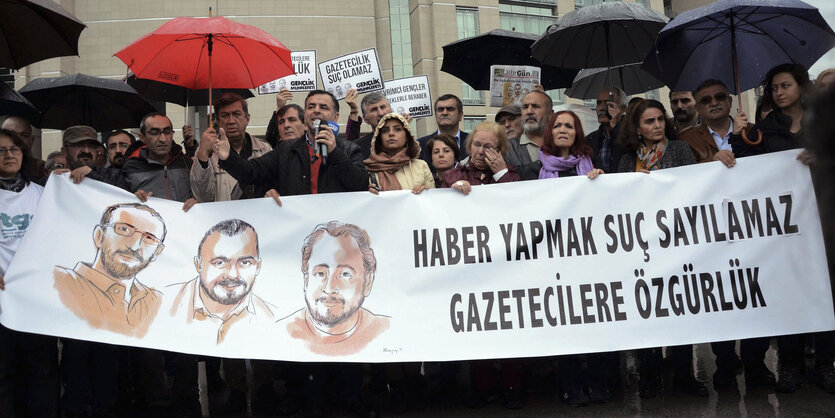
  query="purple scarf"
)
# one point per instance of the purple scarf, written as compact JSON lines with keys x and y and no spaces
{"x":551,"y":165}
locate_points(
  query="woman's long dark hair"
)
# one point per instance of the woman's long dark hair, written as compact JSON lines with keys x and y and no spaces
{"x":26,"y":158}
{"x":800,"y":75}
{"x":628,"y":133}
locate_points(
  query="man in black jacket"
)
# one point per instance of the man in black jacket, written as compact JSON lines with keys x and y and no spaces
{"x":611,"y":105}
{"x":295,"y":167}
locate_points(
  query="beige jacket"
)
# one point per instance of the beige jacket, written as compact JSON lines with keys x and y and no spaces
{"x":214,"y":184}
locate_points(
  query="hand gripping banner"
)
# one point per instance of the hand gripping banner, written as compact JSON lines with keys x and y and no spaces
{"x":685,"y":255}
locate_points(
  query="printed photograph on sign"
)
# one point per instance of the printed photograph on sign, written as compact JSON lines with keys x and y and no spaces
{"x":410,"y":95}
{"x":359,"y":70}
{"x":304,"y":79}
{"x":510,"y":83}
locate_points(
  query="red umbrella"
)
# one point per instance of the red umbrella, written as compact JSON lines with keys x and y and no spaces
{"x":181,"y":52}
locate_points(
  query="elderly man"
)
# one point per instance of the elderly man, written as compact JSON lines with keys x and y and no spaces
{"x":338,"y":264}
{"x":683,"y":106}
{"x":228,"y":261}
{"x":374,"y":106}
{"x":537,"y":108}
{"x":449,"y":112}
{"x":210,"y":183}
{"x":295,"y":167}
{"x":510,"y":116}
{"x":611,"y":105}
{"x":23,"y":128}
{"x":710,"y":141}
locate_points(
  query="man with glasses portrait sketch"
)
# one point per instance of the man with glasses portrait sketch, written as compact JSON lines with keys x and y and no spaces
{"x":106,"y":292}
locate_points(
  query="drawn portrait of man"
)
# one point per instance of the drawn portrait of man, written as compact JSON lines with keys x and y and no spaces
{"x":106,"y":293}
{"x":228,"y":261}
{"x":282,"y":84}
{"x":338,"y":266}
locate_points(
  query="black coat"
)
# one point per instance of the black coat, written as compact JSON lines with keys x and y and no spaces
{"x":776,"y":136}
{"x":595,"y":141}
{"x":287,"y":169}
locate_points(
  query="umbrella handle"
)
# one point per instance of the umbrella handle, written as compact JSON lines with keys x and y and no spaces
{"x":750,"y":142}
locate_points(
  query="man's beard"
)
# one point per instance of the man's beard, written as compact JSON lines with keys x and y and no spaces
{"x":76,"y":162}
{"x":681,"y":115}
{"x":119,"y":269}
{"x":118,"y":160}
{"x":227,"y":297}
{"x":532,"y":126}
{"x":330,"y":319}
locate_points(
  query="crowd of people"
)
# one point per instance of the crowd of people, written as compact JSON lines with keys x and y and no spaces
{"x":526,"y":142}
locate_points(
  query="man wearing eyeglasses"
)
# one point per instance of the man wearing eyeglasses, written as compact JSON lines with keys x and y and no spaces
{"x":159,"y":168}
{"x":710,"y":140}
{"x":449,"y":112}
{"x":106,"y":293}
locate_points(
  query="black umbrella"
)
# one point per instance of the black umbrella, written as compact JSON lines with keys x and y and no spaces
{"x":34,"y":30}
{"x":164,"y":92}
{"x":80,"y":99}
{"x":737,"y":42}
{"x":470,"y":59}
{"x":629,"y":78}
{"x":13,"y":104}
{"x":602,"y":35}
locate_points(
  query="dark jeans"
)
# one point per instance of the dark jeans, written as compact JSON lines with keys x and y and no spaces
{"x":90,"y":373}
{"x":752,"y":352}
{"x":652,"y":361}
{"x":28,"y":374}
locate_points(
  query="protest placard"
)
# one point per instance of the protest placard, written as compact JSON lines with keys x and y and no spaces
{"x":537,"y":268}
{"x":358,"y":70}
{"x":304,"y":64}
{"x":410,"y":95}
{"x":510,"y":83}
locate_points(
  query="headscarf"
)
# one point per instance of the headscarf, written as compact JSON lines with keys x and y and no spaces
{"x":385,"y":166}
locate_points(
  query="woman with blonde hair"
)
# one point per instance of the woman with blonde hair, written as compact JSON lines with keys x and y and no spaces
{"x":487,"y":146}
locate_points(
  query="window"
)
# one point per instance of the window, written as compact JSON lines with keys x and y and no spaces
{"x":581,"y":3}
{"x":526,"y":19}
{"x":467,"y":27}
{"x":401,"y":38}
{"x":469,"y":123}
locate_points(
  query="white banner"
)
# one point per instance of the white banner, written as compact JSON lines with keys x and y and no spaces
{"x":358,"y":70}
{"x":304,"y":79}
{"x":560,"y":266}
{"x":510,"y":83}
{"x":410,"y":95}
